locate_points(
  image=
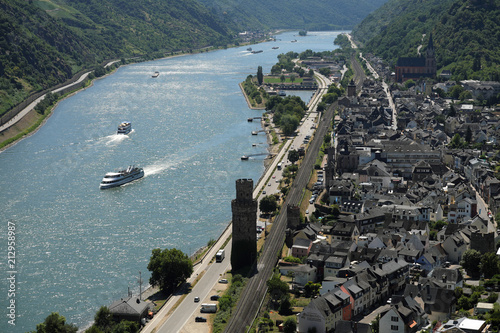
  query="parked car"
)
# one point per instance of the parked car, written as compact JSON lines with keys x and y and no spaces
{"x":200,"y":319}
{"x":214,"y":297}
{"x":196,"y":299}
{"x":223,"y":281}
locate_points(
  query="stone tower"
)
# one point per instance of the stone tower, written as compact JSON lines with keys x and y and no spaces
{"x":244,"y":209}
{"x":351,"y":89}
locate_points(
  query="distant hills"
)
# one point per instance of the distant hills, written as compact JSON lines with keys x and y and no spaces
{"x":45,"y":42}
{"x":292,"y":14}
{"x":466,"y":34}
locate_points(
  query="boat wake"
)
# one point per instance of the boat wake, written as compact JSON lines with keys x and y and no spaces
{"x":117,"y":138}
{"x":159,"y":167}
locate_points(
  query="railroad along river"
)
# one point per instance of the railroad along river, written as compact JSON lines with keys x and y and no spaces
{"x":77,"y":247}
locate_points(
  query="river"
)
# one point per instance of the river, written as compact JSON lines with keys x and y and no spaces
{"x":77,"y":247}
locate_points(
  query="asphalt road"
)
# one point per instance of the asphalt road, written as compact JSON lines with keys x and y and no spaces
{"x":186,"y":309}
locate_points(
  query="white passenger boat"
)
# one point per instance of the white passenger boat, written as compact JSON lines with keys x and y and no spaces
{"x":117,"y":178}
{"x":156,"y":74}
{"x":124,"y":128}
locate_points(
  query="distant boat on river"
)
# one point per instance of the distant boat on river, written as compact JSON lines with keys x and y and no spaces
{"x":156,"y":74}
{"x":258,"y":51}
{"x":124,"y":128}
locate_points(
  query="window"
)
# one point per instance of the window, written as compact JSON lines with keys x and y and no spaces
{"x":394,"y":318}
{"x":394,"y":327}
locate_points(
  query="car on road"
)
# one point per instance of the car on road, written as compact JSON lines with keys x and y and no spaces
{"x":214,"y":297}
{"x":196,"y":299}
{"x":223,"y":281}
{"x":269,"y":184}
{"x":263,"y":192}
{"x":200,"y":319}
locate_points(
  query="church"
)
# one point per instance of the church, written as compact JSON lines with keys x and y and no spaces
{"x":417,"y":67}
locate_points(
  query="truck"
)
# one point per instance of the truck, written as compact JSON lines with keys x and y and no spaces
{"x":208,"y":308}
{"x":221,"y":254}
{"x":279,"y":166}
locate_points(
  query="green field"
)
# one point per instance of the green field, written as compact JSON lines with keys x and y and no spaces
{"x":273,"y":80}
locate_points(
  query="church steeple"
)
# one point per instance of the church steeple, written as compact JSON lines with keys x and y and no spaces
{"x":430,"y":47}
{"x":430,"y":59}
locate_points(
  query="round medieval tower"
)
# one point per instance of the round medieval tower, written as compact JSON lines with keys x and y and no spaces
{"x":244,"y":208}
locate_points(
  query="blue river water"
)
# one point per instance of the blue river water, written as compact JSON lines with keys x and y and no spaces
{"x":77,"y":247}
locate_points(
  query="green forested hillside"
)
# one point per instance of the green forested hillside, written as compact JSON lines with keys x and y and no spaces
{"x":466,"y":34}
{"x":293,"y":14}
{"x":42,"y":43}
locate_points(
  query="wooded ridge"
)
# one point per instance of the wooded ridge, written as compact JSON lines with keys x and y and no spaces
{"x":466,"y":34}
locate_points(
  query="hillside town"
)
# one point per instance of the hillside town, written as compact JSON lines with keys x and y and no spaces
{"x":404,"y":201}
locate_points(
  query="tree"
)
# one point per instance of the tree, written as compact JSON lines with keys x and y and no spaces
{"x":282,"y":78}
{"x":456,"y":141}
{"x":55,"y":323}
{"x":293,"y":156}
{"x":375,"y":324}
{"x":489,"y":265}
{"x":276,"y":69}
{"x":289,"y":124}
{"x":465,"y":95}
{"x":321,"y":106}
{"x":409,"y":83}
{"x":292,"y":78}
{"x":260,"y":76}
{"x":169,"y":268}
{"x":268,"y":204}
{"x":311,"y":289}
{"x":470,"y":262}
{"x":290,"y":325}
{"x":103,"y":319}
{"x":455,"y":91}
{"x":468,"y":135}
{"x":126,"y":326}
{"x":277,"y":289}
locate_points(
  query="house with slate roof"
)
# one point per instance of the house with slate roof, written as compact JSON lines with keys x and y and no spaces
{"x":301,"y":247}
{"x":438,"y":302}
{"x":302,"y":273}
{"x":130,"y":308}
{"x":456,"y":245}
{"x":404,"y":316}
{"x":451,"y":278}
{"x":322,"y":313}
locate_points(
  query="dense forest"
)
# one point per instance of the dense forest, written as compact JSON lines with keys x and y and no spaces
{"x":466,"y":34}
{"x":43,"y":43}
{"x":292,"y":14}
